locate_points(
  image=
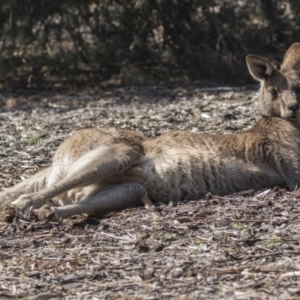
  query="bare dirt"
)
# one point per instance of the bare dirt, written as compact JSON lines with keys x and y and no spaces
{"x":242,"y":246}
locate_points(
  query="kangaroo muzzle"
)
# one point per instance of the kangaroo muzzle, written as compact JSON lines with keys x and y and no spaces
{"x":293,"y":106}
{"x":290,"y":103}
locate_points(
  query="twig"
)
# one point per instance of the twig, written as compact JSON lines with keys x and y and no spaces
{"x":218,"y":89}
{"x":264,"y":193}
{"x":12,"y":278}
{"x":249,"y":221}
{"x":289,"y":274}
{"x":116,"y":237}
{"x":120,"y":283}
{"x":22,"y":153}
{"x":181,"y":284}
{"x":269,"y":254}
{"x":241,"y":269}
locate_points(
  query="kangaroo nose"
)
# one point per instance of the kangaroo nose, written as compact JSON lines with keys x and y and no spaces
{"x":293,"y":107}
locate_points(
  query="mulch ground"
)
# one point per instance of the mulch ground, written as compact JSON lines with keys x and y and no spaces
{"x":241,"y":246}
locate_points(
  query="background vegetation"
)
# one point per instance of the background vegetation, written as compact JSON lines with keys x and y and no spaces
{"x":79,"y":42}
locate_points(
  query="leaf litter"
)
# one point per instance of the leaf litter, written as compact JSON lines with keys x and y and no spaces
{"x":240,"y":246}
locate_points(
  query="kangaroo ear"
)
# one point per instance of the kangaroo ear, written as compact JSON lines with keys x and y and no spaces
{"x":259,"y":67}
{"x":292,"y":59}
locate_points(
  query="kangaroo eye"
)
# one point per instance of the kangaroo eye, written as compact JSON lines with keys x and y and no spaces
{"x":297,"y":89}
{"x":274,"y":93}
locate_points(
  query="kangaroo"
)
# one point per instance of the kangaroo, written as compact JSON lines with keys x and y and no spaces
{"x":96,"y":171}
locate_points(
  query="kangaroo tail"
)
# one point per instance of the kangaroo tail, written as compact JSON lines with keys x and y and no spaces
{"x":31,"y":185}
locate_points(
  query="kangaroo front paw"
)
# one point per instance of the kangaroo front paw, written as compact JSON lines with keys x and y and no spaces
{"x":46,"y":213}
{"x":8,"y":213}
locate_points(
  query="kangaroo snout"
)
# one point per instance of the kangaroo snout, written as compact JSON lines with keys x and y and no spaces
{"x":293,"y":106}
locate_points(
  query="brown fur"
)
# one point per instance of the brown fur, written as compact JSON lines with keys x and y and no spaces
{"x":100,"y":170}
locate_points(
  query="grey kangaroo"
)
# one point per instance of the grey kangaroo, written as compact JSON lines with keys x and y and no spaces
{"x":96,"y":171}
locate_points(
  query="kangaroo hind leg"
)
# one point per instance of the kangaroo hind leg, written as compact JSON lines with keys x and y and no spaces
{"x":114,"y":198}
{"x":92,"y":167}
{"x":30,"y":185}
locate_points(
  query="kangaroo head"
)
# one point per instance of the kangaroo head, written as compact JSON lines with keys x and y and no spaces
{"x":279,"y":94}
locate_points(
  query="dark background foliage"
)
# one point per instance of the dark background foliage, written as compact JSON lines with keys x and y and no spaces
{"x":88,"y":42}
